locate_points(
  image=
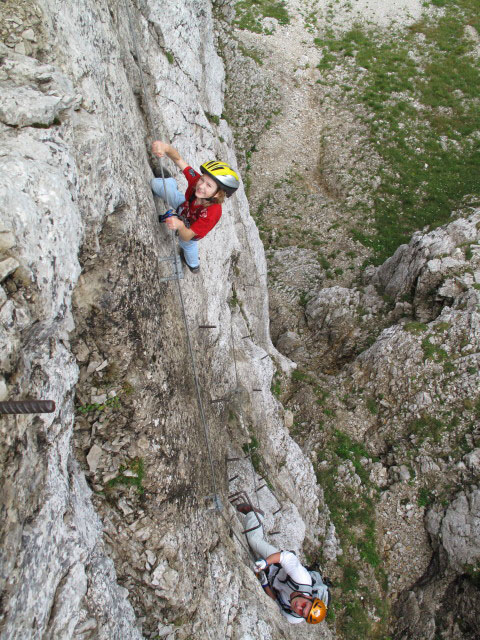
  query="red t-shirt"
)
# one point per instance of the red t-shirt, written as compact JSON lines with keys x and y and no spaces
{"x":202,"y":218}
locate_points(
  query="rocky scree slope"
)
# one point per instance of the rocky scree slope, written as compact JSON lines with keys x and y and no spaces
{"x":386,"y":391}
{"x":86,"y":322}
{"x":399,"y":430}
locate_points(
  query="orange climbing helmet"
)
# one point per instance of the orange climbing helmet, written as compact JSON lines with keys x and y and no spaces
{"x":226,"y":178}
{"x":317,"y":612}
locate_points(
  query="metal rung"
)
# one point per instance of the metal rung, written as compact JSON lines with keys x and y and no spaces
{"x":233,"y":478}
{"x":260,"y":478}
{"x":168,"y":278}
{"x":176,"y":266}
{"x":274,"y":533}
{"x":27,"y":406}
{"x":241,"y":496}
{"x":169,"y":258}
{"x":237,"y":496}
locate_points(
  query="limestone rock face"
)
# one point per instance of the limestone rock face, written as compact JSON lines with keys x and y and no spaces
{"x":455,"y":530}
{"x":423,"y":374}
{"x":435,"y":270}
{"x":460,"y":530}
{"x":393,"y":363}
{"x":32,"y":93}
{"x":108,"y":525}
{"x":411,"y":397}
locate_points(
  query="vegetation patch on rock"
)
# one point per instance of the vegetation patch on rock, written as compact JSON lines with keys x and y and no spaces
{"x":418,"y":90}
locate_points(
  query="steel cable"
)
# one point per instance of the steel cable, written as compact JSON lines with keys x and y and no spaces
{"x":218,"y":507}
{"x":179,"y":288}
{"x":254,"y":475}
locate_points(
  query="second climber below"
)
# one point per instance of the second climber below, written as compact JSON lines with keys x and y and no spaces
{"x":301,"y":593}
{"x":194,"y":213}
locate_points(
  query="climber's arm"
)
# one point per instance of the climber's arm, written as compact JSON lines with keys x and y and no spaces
{"x":161,"y":149}
{"x":274,"y":558}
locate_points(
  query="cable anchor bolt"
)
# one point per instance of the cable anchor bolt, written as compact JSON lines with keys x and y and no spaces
{"x":217,"y":502}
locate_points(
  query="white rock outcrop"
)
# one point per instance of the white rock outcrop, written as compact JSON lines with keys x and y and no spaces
{"x":460,"y":530}
{"x":426,"y":264}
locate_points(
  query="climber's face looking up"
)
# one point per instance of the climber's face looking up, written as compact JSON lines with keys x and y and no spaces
{"x":206,"y":187}
{"x":300,"y":604}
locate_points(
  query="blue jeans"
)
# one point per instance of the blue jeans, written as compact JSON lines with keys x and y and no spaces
{"x":173,"y":199}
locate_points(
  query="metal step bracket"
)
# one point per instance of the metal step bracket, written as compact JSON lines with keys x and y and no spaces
{"x":176,"y":267}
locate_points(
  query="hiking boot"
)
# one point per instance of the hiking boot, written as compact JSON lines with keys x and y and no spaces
{"x":192,"y":269}
{"x":245,"y":508}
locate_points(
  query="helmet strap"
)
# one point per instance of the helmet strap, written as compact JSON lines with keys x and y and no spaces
{"x":212,"y":197}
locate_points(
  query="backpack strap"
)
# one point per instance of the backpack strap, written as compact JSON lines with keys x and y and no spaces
{"x":321,"y":587}
{"x":318,"y":588}
{"x":285,"y":607}
{"x":297,"y":586}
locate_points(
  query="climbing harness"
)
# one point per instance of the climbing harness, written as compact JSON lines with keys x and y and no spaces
{"x":171,"y":213}
{"x":305,"y":589}
{"x":318,"y":591}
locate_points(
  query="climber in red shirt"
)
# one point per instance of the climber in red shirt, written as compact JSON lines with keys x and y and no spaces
{"x":196,"y":212}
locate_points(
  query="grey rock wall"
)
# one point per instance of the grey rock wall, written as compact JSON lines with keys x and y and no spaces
{"x":85,"y":319}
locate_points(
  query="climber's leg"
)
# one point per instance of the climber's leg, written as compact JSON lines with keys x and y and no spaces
{"x":174,"y":198}
{"x":190,"y":252}
{"x":260,"y":547}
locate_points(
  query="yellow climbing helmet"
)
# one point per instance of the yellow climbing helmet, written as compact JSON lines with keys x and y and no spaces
{"x":317,"y":612}
{"x":226,"y":178}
